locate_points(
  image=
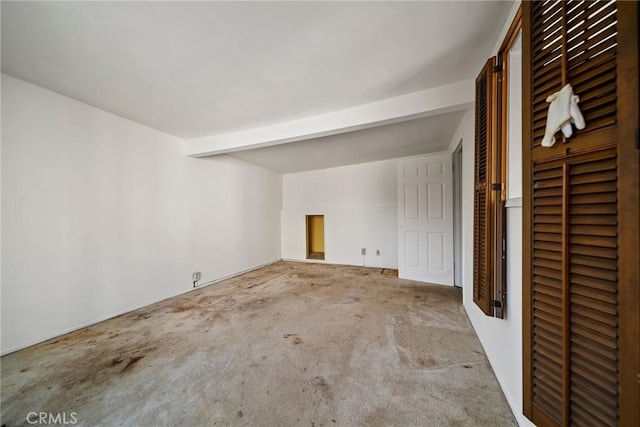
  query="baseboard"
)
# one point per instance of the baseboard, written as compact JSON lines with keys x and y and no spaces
{"x":450,"y":284}
{"x":130,"y":309}
{"x":212,"y":282}
{"x":310,"y":261}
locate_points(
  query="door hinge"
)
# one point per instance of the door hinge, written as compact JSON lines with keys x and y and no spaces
{"x":497,"y":68}
{"x":638,"y":139}
{"x":495,"y":303}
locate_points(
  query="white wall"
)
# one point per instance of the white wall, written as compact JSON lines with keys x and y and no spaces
{"x":359,"y":204}
{"x":500,"y":338}
{"x":101,"y":215}
{"x":514,"y":121}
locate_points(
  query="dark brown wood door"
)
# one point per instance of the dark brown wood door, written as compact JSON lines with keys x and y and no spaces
{"x":482,"y":232}
{"x":577,"y":337}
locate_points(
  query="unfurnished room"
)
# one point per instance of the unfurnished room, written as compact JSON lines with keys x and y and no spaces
{"x":273,"y":213}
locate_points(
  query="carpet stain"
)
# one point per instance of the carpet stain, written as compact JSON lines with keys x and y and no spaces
{"x":183,"y":308}
{"x":426,"y":361}
{"x":131,"y":363}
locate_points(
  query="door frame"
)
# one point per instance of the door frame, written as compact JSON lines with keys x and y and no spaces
{"x":456,"y":162}
{"x":629,"y":212}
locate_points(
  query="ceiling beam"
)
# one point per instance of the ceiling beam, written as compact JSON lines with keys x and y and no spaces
{"x":429,"y":102}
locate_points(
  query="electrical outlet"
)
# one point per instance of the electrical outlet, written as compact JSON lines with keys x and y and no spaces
{"x":378,"y":252}
{"x":363,"y":251}
{"x":195,"y":276}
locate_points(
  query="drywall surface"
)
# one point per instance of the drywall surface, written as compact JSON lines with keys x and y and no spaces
{"x":101,"y":215}
{"x":500,"y":338}
{"x":514,"y":121}
{"x":359,"y":204}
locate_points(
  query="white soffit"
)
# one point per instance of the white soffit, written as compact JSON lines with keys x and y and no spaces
{"x":409,"y":138}
{"x":430,"y":102}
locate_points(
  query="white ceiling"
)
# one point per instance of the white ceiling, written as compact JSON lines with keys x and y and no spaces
{"x":203,"y":68}
{"x":408,"y":138}
{"x":195,"y":69}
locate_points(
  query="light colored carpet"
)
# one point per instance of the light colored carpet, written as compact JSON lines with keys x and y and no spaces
{"x":288,"y":344}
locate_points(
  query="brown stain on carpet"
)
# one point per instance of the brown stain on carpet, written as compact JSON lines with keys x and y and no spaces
{"x":132,"y":361}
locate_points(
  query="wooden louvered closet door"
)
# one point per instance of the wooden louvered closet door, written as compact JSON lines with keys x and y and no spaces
{"x":572,"y":201}
{"x":483,"y":249}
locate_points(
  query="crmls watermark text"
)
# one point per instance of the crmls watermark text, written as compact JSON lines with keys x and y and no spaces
{"x":64,"y":418}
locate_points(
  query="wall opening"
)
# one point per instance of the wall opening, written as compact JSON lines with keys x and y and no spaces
{"x":315,"y":237}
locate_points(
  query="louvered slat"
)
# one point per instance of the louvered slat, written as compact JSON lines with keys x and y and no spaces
{"x":591,"y":63}
{"x":546,"y":46}
{"x":592,"y":273}
{"x":547,"y":288}
{"x":593,"y":290}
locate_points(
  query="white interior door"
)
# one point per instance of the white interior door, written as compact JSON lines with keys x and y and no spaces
{"x":425,"y":219}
